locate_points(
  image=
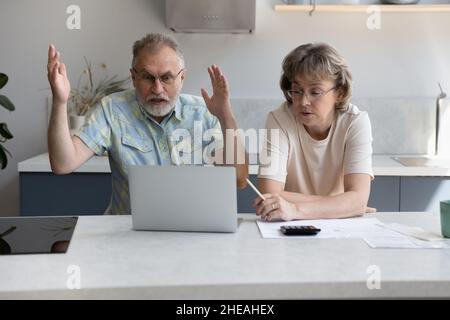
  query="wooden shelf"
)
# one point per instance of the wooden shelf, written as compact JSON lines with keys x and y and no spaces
{"x":363,"y":8}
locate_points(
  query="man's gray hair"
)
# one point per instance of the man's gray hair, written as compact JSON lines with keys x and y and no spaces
{"x":153,"y":42}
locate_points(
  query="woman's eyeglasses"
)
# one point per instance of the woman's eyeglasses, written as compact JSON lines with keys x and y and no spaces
{"x":312,"y":95}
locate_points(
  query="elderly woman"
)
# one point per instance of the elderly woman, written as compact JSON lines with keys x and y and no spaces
{"x":320,"y":160}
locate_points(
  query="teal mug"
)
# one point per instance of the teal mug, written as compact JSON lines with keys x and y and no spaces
{"x":445,"y":218}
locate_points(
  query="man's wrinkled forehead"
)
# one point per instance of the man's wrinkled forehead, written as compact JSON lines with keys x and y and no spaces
{"x":161,"y":56}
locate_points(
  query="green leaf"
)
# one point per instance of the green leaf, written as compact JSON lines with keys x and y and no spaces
{"x":7,"y":151}
{"x":5,"y":102}
{"x":4,"y":132}
{"x":3,"y":158}
{"x":3,"y":80}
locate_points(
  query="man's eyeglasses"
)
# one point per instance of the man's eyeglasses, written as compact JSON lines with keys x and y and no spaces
{"x":165,"y":79}
{"x":312,"y":95}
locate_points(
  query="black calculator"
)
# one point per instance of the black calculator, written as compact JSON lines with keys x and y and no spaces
{"x":299,"y":230}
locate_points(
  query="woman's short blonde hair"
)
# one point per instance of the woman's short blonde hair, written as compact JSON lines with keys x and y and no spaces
{"x":317,"y":62}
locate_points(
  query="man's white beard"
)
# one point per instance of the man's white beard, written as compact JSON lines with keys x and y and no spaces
{"x":158,"y":111}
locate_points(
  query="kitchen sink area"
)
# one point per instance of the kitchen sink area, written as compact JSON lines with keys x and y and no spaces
{"x":436,"y":160}
{"x":424,"y":161}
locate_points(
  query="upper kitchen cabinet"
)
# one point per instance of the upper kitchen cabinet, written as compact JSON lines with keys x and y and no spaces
{"x":212,"y":16}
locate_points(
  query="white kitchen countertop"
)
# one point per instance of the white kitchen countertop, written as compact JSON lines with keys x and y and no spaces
{"x":383,"y":165}
{"x":115,"y":262}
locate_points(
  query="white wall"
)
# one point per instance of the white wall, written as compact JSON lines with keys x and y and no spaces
{"x":405,"y":58}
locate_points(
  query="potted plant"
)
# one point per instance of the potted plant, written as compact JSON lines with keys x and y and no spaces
{"x":89,"y":92}
{"x":5,"y":134}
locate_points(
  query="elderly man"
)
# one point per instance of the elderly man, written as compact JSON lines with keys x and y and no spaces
{"x":142,"y":126}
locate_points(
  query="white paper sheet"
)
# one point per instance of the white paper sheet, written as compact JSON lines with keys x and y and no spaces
{"x":415,"y":232}
{"x":371,"y":230}
{"x":403,"y":242}
{"x":330,"y":228}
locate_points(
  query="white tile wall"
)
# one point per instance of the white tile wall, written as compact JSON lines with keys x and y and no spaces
{"x":399,"y":125}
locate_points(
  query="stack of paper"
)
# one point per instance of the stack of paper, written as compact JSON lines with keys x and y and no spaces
{"x":375,"y":233}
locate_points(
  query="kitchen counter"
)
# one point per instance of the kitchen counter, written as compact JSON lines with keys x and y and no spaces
{"x":115,"y":262}
{"x":383,"y":165}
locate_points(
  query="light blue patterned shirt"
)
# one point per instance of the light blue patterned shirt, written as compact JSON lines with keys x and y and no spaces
{"x":120,"y":126}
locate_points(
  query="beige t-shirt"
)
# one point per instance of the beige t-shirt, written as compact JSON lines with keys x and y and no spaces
{"x":316,"y":167}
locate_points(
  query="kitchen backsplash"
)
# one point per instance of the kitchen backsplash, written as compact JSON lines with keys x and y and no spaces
{"x":399,"y":125}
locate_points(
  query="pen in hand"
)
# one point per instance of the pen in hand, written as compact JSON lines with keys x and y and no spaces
{"x":256,"y":190}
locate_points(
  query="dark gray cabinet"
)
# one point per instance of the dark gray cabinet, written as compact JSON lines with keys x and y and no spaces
{"x":423,"y":193}
{"x":384,"y":193}
{"x":43,"y":194}
{"x":391,"y":193}
{"x":46,"y":194}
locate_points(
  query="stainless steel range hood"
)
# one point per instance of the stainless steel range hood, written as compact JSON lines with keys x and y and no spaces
{"x":222,"y":16}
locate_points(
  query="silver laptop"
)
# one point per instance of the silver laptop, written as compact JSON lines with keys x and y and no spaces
{"x":186,"y":198}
